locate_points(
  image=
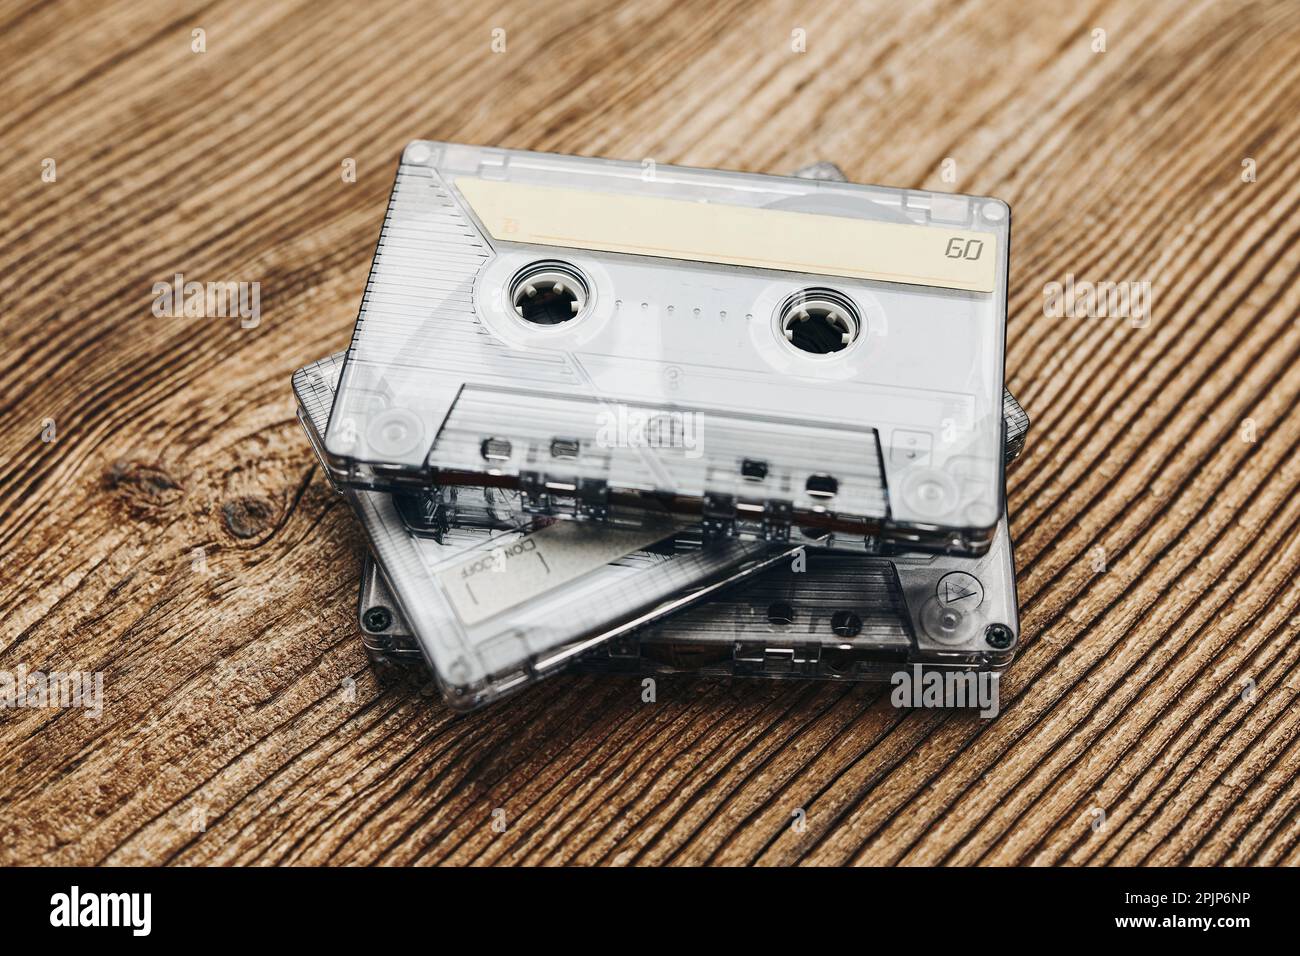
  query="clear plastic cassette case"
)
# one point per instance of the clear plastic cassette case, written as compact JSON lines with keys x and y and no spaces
{"x":822,"y":614}
{"x":759,"y":352}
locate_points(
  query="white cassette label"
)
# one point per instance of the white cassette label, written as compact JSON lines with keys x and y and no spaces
{"x":524,"y":567}
{"x":734,"y":235}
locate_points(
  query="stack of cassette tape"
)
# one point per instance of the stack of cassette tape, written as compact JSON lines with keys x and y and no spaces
{"x":639,"y":419}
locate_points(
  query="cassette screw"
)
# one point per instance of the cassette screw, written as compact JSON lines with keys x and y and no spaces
{"x":377,"y":618}
{"x":999,"y":636}
{"x":779,"y":612}
{"x":846,"y":624}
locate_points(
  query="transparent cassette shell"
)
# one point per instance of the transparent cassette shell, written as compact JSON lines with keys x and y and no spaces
{"x":842,"y":617}
{"x":742,"y":348}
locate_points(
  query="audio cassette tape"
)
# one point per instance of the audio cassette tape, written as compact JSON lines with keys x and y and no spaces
{"x":493,"y":608}
{"x":820,"y":614}
{"x":756,"y":352}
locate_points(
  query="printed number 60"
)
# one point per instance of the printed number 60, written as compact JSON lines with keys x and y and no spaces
{"x":964,"y":248}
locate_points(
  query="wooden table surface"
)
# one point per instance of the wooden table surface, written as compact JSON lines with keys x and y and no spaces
{"x":164,"y":523}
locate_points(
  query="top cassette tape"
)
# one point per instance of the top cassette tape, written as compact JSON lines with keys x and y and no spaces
{"x":757,"y":350}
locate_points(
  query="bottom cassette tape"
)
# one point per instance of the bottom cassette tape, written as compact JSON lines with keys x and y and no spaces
{"x":815,"y":614}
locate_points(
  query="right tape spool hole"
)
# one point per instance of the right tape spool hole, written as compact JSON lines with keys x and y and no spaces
{"x":819,"y":321}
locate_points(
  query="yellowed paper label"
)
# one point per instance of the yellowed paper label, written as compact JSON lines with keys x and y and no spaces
{"x":734,"y":235}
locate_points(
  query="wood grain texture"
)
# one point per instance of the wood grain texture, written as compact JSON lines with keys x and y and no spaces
{"x":227,"y":688}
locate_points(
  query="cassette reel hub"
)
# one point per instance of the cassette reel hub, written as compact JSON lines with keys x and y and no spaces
{"x":819,"y":321}
{"x":549,"y":293}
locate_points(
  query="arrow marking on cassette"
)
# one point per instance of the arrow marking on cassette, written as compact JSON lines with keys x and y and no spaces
{"x":960,"y":587}
{"x":955,"y":592}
